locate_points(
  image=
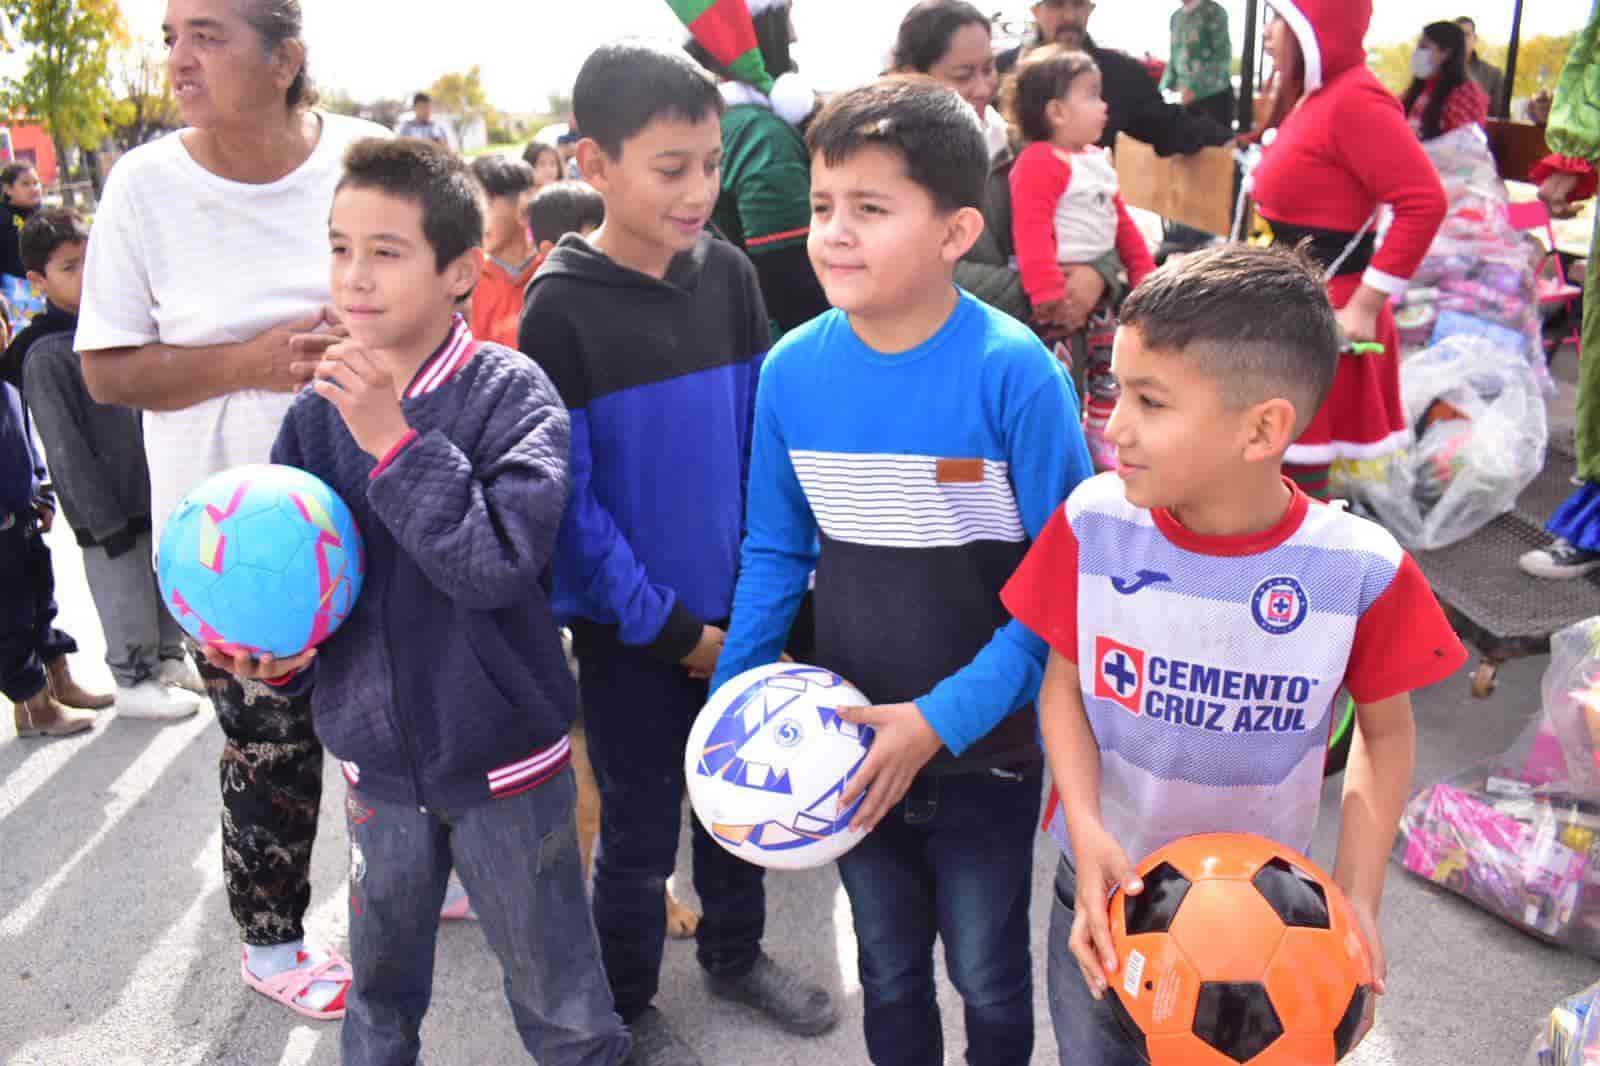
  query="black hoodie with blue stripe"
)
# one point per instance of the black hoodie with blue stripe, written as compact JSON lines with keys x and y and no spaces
{"x":659,"y":375}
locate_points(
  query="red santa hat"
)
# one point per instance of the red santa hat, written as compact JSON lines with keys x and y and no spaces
{"x":1332,"y":35}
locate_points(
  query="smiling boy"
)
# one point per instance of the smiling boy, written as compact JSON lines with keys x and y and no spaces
{"x":654,"y":333}
{"x":1196,"y":559}
{"x":920,"y":439}
{"x":446,"y":695}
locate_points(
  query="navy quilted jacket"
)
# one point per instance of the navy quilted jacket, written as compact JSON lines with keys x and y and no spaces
{"x":447,"y":684}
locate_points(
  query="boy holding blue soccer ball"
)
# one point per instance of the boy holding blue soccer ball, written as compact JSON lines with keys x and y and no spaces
{"x":446,"y":694}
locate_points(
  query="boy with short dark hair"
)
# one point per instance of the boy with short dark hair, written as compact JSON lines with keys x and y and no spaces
{"x":1203,"y":613}
{"x":98,"y":461}
{"x":654,"y":333}
{"x":564,"y":207}
{"x":446,"y":694}
{"x":921,"y":439}
{"x":509,"y":256}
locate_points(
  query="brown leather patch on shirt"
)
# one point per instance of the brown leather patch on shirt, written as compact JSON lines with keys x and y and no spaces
{"x":960,"y":471}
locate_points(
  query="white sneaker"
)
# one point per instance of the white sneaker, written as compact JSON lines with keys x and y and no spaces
{"x":180,"y":673}
{"x":151,"y":699}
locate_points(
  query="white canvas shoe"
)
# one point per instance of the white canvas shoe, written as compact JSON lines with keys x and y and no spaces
{"x":180,"y":673}
{"x":151,"y":699}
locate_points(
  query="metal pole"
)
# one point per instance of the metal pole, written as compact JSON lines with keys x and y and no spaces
{"x":1503,"y":105}
{"x":1247,"y":70}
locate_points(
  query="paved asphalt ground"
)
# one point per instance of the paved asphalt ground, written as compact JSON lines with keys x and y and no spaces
{"x":116,"y":947}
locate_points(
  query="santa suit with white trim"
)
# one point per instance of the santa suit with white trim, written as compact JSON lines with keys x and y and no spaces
{"x":1342,"y":152}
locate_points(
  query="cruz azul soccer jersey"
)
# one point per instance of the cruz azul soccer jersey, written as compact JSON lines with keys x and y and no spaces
{"x":1209,"y":666}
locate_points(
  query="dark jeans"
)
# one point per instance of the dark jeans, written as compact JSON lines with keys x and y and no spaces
{"x":954,"y":860}
{"x":271,"y":770}
{"x":518,"y":858}
{"x":1087,"y":1033}
{"x":28,"y":637}
{"x":637,"y":712}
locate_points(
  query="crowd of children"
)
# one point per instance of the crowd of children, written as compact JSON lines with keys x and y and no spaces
{"x":609,"y":440}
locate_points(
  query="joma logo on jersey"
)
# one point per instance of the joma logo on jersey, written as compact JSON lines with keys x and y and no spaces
{"x":1119,"y":674}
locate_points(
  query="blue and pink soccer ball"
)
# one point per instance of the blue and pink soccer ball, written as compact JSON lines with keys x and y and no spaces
{"x":261,"y":560}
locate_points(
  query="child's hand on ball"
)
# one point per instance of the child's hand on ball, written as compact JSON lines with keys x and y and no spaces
{"x":1102,"y":867}
{"x":265,"y":668}
{"x":1367,"y":918}
{"x":902,"y":746}
{"x":364,"y":392}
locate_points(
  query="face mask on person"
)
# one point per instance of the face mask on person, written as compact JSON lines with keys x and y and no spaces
{"x":1423,"y":64}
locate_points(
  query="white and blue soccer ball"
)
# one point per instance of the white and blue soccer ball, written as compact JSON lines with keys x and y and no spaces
{"x":767,"y":760}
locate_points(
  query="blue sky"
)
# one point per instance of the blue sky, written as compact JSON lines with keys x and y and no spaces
{"x":376,"y":48}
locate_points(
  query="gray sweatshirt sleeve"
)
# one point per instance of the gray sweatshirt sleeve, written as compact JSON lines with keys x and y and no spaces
{"x":57,"y":397}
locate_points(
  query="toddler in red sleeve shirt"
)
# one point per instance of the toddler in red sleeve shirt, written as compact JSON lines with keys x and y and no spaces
{"x":1078,"y":249}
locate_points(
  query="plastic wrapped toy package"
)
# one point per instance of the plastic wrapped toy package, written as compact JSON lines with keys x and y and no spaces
{"x":1478,"y":276}
{"x":1518,"y":835}
{"x":1479,"y":437}
{"x":1572,"y":1035}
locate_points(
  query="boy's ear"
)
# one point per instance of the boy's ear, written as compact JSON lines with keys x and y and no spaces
{"x":962,"y":230}
{"x":463,"y":274}
{"x":593,"y":163}
{"x":1269,"y":429}
{"x":37,"y":280}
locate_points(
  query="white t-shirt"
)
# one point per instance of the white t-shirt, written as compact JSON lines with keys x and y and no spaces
{"x":181,"y":256}
{"x":1086,"y":214}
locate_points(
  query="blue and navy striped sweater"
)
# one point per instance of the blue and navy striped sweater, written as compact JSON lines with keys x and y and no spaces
{"x":660,"y":378}
{"x":923,"y":476}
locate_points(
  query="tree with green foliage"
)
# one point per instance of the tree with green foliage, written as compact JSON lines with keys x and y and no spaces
{"x":145,"y":105}
{"x":66,"y":86}
{"x":462,"y":95}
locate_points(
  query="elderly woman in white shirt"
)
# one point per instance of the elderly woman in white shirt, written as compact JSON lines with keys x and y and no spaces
{"x":206,"y":283}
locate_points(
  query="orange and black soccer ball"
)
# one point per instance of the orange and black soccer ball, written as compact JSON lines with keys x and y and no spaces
{"x":1239,"y":950}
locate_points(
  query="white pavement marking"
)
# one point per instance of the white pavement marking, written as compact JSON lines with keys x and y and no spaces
{"x":844,"y":940}
{"x":48,"y":758}
{"x":154,"y":988}
{"x":301,"y":1045}
{"x":126,"y":791}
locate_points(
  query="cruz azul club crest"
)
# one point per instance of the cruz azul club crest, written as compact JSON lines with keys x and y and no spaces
{"x":1279,"y":605}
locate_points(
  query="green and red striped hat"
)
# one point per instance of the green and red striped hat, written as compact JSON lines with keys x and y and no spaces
{"x":724,"y":28}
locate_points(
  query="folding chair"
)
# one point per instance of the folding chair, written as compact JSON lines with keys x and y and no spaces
{"x":1553,"y":290}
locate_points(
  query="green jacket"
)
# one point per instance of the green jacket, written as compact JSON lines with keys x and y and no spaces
{"x":766,"y":181}
{"x":986,"y":270}
{"x":1574,"y":128}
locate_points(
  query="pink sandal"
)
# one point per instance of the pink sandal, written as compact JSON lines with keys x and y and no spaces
{"x":290,"y":985}
{"x":459,"y":910}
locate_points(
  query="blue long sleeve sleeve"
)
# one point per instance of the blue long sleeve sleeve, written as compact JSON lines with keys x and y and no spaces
{"x":779,"y":548}
{"x":1048,"y":458}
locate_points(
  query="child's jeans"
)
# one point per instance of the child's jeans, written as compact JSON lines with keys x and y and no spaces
{"x":1087,"y":1033}
{"x":637,"y":712}
{"x":28,"y":636}
{"x":518,"y":858}
{"x":953,"y":860}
